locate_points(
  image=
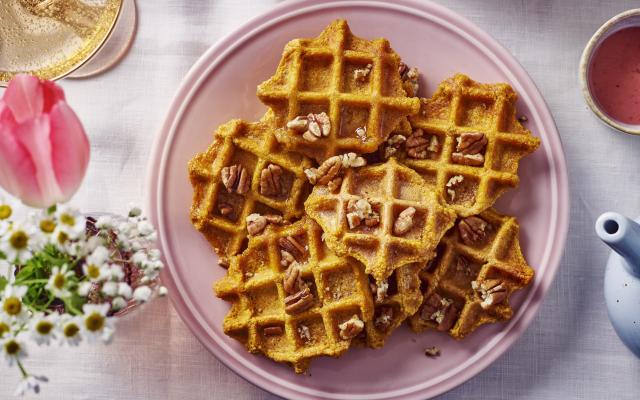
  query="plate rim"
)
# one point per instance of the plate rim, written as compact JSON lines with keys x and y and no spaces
{"x":509,"y":65}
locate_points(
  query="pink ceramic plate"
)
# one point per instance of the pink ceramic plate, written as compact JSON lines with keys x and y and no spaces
{"x":222,"y":86}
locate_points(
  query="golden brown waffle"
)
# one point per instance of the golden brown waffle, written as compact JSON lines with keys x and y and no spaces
{"x":469,"y":180}
{"x":390,"y":189}
{"x":396,"y":299}
{"x":255,"y":288}
{"x":319,"y":75}
{"x":220,"y":214}
{"x":489,"y":255}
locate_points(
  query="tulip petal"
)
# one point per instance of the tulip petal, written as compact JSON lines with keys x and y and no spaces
{"x":52,"y":94}
{"x":35,"y":137}
{"x":70,"y":146}
{"x":24,"y":96}
{"x":17,"y":170}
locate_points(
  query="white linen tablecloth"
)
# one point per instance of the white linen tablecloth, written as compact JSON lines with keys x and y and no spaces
{"x":569,"y":352}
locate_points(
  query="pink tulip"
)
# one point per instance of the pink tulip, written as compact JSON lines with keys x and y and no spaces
{"x":44,"y":151}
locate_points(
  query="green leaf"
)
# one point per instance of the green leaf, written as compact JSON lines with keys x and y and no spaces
{"x":3,"y":283}
{"x":51,"y":210}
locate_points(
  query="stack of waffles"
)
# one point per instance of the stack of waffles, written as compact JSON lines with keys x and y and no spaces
{"x":353,"y":205}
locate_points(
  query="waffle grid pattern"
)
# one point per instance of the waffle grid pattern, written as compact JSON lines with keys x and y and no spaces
{"x":316,"y":75}
{"x":390,"y":188}
{"x":497,"y":258}
{"x":253,"y":146}
{"x":254,"y":286}
{"x":461,"y":105}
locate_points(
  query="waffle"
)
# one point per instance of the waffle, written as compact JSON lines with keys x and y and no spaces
{"x":469,"y":282}
{"x":372,"y":235}
{"x":256,"y":288}
{"x":468,"y":176}
{"x":219,"y":214}
{"x":354,"y":81}
{"x":400,"y":298}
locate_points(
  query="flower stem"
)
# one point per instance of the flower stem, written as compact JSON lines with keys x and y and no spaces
{"x":22,"y":370}
{"x":30,"y":281}
{"x":69,"y":307}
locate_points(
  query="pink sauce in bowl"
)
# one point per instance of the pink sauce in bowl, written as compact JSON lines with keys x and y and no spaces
{"x":614,"y":75}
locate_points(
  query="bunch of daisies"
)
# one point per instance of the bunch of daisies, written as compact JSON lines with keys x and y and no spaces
{"x":64,"y":277}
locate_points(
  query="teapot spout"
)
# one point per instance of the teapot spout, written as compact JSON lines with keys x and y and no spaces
{"x":623,"y":236}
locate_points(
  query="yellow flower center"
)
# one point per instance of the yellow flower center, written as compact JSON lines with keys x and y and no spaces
{"x":67,"y":219}
{"x":5,"y":211}
{"x":59,"y":281}
{"x":4,"y":328}
{"x":12,"y":348}
{"x":93,"y":271}
{"x":94,"y":322}
{"x":62,"y":237}
{"x":47,"y":226}
{"x":44,"y":327}
{"x":71,"y":330}
{"x":19,"y":240}
{"x":12,"y":306}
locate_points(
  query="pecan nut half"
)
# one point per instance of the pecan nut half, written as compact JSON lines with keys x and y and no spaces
{"x":404,"y":222}
{"x":299,"y":302}
{"x":275,"y":330}
{"x":473,"y":230}
{"x":293,"y":247}
{"x":271,"y":180}
{"x":492,"y":292}
{"x":469,"y":148}
{"x":235,"y":178}
{"x":292,"y":281}
{"x":440,"y":310}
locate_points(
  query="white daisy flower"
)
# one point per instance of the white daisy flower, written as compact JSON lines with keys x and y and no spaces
{"x":15,"y":243}
{"x":13,"y":349}
{"x":84,"y":288}
{"x":110,"y":288}
{"x":43,"y":328}
{"x":70,"y":331}
{"x":145,"y":228}
{"x":7,"y":270}
{"x":30,"y":383}
{"x":6,"y":209}
{"x":96,"y":324}
{"x":95,"y":268}
{"x":118,"y":304}
{"x":45,"y":225}
{"x":71,"y":221}
{"x":115,"y":272}
{"x":142,"y":294}
{"x":11,"y":302}
{"x":58,"y":283}
{"x":5,"y":325}
{"x":140,"y":259}
{"x":124,"y":290}
{"x":104,"y":222}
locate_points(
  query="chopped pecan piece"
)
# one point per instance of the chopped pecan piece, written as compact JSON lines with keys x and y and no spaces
{"x":409,"y":77}
{"x":492,"y":291}
{"x":304,"y":333}
{"x":223,"y":262}
{"x":292,"y":246}
{"x":393,"y":145}
{"x":314,"y":126}
{"x":473,"y":230}
{"x":299,"y":302}
{"x":351,"y":328}
{"x":298,"y":124}
{"x":330,"y":171}
{"x":440,"y":310}
{"x":256,"y":223}
{"x":292,"y":282}
{"x":452,"y":183}
{"x":286,"y":258}
{"x":404,"y":222}
{"x":417,"y":144}
{"x":380,"y":289}
{"x":275,"y":330}
{"x":236,"y":179}
{"x":383,"y":320}
{"x":432,"y":352}
{"x":361,"y":74}
{"x":359,"y":211}
{"x":225,"y":209}
{"x":271,"y":181}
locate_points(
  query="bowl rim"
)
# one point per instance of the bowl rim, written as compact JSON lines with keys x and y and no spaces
{"x":585,"y":62}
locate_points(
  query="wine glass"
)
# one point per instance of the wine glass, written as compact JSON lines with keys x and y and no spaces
{"x":57,"y":38}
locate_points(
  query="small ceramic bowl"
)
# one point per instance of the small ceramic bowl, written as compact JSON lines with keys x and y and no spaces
{"x":627,"y":19}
